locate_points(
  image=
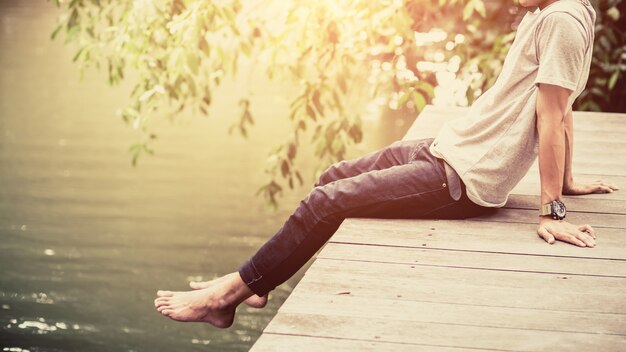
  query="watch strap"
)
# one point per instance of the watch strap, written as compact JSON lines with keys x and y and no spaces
{"x":546,"y":209}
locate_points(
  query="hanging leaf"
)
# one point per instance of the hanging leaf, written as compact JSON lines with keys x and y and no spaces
{"x":613,"y":79}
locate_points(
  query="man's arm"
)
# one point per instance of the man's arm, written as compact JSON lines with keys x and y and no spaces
{"x":569,"y":186}
{"x":551,"y":111}
{"x":569,"y":149}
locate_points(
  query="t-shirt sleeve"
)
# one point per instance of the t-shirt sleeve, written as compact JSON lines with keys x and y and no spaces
{"x":561,"y":45}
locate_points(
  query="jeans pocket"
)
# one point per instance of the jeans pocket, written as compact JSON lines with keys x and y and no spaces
{"x":419,"y":147}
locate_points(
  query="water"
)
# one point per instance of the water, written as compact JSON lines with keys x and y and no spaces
{"x":86,"y":239}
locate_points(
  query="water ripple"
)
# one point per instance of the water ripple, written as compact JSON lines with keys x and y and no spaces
{"x":41,"y":326}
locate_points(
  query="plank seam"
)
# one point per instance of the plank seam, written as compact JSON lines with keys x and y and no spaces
{"x":386,"y":342}
{"x":508,"y":221}
{"x":296,"y":312}
{"x":481,"y":220}
{"x":486,"y":305}
{"x":321,"y":256}
{"x":473,"y":268}
{"x":471,"y":250}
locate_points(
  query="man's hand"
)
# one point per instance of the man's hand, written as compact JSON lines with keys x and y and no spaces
{"x":597,"y":186}
{"x":551,"y":230}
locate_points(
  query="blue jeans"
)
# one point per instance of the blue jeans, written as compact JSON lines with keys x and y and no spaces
{"x":402,"y":180}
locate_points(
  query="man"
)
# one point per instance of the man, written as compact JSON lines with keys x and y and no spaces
{"x":470,"y":166}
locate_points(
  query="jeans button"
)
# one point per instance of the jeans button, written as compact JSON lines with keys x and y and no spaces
{"x":444,"y":185}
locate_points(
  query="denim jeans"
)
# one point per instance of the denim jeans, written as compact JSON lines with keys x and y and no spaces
{"x":402,"y":180}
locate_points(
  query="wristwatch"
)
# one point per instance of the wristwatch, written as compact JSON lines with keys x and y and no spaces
{"x":556,"y":209}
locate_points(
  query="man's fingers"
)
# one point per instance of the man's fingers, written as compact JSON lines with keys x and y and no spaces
{"x":547,"y":236}
{"x":602,"y":189}
{"x":586,"y":238}
{"x":582,"y":236}
{"x":567,"y":237}
{"x":588,"y":229}
{"x":572,"y":239}
{"x":610,"y":185}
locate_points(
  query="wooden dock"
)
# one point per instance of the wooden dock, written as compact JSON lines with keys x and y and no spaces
{"x":487,"y":283}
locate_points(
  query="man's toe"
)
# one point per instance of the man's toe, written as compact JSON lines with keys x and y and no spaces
{"x":162,"y":293}
{"x":162,"y":301}
{"x":163,"y":307}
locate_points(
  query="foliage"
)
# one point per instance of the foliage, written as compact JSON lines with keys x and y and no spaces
{"x":606,"y":89}
{"x":340,"y":54}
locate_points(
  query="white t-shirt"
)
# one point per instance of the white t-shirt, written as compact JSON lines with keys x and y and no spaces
{"x":493,"y":147}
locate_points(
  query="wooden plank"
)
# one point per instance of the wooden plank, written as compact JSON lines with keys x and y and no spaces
{"x":475,"y":260}
{"x":574,"y":204}
{"x":441,"y":334}
{"x":467,"y":235}
{"x":489,"y":288}
{"x":454,"y":314}
{"x":601,"y":166}
{"x":587,"y":147}
{"x":534,"y":188}
{"x":615,"y":221}
{"x":270,"y":342}
{"x":595,"y":148}
{"x":486,"y":283}
{"x":480,"y":278}
{"x":533,"y":179}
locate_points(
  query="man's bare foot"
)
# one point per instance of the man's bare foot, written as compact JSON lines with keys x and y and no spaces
{"x":214,"y":305}
{"x":254,"y":301}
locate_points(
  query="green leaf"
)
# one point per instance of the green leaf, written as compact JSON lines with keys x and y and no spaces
{"x":316,"y":102}
{"x":337,"y":100}
{"x":299,"y":177}
{"x":419,"y":101}
{"x":192,"y":63}
{"x":613,"y":13}
{"x":310,"y":112}
{"x":284,"y":168}
{"x":403,"y":99}
{"x":297,"y":102}
{"x":480,"y":7}
{"x":78,"y":54}
{"x":56,"y":31}
{"x":342,"y":84}
{"x":427,"y":88}
{"x":356,"y":133}
{"x":468,"y":10}
{"x":613,"y":79}
{"x":291,"y":151}
{"x":301,"y":125}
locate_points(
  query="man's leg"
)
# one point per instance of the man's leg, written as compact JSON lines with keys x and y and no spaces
{"x":414,"y":188}
{"x":411,"y":189}
{"x":397,"y":153}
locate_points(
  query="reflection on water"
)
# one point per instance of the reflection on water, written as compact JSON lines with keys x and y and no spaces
{"x":86,"y":240}
{"x":42,"y":327}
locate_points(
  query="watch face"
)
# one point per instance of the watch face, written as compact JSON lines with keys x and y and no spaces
{"x":558,"y":208}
